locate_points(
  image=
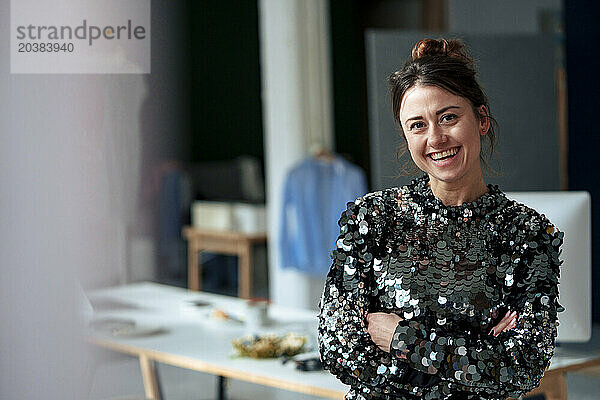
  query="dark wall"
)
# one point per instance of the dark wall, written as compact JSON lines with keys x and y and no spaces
{"x":226,"y":104}
{"x":349,"y":19}
{"x":166,"y":115}
{"x":582,"y":31}
{"x":349,"y":84}
{"x":521,"y":92}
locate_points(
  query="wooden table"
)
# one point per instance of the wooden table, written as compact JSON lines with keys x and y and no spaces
{"x":554,"y":384}
{"x":190,"y":339}
{"x":193,"y":341}
{"x":233,"y":243}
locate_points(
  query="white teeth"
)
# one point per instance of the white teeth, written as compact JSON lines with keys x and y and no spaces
{"x":451,"y":152}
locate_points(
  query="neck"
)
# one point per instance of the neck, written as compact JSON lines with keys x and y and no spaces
{"x":459,"y":192}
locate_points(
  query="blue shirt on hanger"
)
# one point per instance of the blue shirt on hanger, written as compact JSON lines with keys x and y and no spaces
{"x":315,"y":194}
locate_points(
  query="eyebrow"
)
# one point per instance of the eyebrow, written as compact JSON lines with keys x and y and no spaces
{"x":438,"y":112}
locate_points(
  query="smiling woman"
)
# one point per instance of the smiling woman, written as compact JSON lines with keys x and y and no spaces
{"x":443,"y":136}
{"x":443,"y":288}
{"x":441,"y":108}
{"x":447,"y":65}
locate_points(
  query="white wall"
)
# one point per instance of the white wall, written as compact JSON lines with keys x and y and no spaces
{"x":73,"y":151}
{"x":297,"y":111}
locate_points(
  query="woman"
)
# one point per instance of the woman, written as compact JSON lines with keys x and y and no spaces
{"x":444,"y":288}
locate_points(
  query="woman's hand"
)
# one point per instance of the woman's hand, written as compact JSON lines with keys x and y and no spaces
{"x":507,"y":323}
{"x":381,"y":328}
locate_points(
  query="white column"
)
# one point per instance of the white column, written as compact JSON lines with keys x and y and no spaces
{"x":297,"y":113}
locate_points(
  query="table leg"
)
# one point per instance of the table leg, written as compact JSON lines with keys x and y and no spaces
{"x":222,"y":390}
{"x":194,"y":267}
{"x":150,"y":377}
{"x":553,"y":386}
{"x":245,"y":271}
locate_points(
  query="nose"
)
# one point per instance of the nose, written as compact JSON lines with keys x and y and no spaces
{"x":436,"y":137}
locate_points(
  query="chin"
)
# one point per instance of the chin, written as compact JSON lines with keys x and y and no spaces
{"x":448,"y":177}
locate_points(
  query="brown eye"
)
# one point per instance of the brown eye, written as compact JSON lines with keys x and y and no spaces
{"x":416,"y":125}
{"x":449,"y":117}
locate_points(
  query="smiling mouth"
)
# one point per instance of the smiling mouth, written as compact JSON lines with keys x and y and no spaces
{"x":444,"y":155}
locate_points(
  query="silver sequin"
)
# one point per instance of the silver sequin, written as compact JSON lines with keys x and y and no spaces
{"x":450,"y":273}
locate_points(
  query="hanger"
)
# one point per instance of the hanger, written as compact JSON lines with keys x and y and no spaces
{"x":321,"y":153}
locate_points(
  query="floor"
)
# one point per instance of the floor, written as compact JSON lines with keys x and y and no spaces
{"x":116,"y":376}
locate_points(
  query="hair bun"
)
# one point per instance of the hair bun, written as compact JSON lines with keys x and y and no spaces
{"x":442,"y":47}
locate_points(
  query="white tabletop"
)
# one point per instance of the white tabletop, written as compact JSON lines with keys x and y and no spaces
{"x":568,"y":358}
{"x":193,"y":340}
{"x":190,"y":339}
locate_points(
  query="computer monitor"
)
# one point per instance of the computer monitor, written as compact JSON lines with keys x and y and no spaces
{"x":570,"y":212}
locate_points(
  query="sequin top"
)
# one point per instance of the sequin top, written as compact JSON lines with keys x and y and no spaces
{"x":451,"y":273}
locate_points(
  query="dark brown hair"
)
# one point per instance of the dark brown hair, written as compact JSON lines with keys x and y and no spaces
{"x":447,"y":64}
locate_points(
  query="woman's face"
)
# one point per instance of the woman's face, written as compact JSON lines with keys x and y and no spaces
{"x":443,"y":133}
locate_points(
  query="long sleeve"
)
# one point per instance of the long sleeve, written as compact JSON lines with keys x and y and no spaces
{"x":513,"y":363}
{"x":345,"y":346}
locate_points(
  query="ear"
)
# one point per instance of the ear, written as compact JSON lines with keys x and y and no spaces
{"x":484,"y":120}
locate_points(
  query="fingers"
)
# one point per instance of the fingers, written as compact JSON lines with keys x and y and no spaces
{"x":508,"y":322}
{"x":372,"y":317}
{"x":512,"y":324}
{"x":375,"y":317}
